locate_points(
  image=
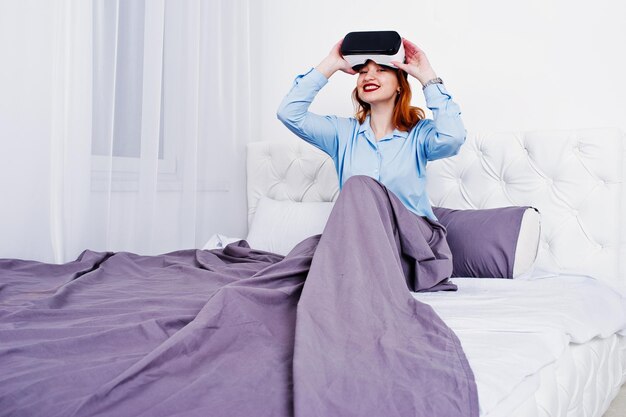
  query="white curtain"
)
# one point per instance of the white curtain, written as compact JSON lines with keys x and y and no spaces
{"x":151,"y":108}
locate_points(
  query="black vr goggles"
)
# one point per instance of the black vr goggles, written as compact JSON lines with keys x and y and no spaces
{"x":381,"y":47}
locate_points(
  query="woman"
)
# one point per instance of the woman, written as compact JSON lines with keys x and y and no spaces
{"x":381,"y":230}
{"x":388,"y":140}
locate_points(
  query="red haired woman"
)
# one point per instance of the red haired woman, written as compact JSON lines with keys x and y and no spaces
{"x":388,"y":141}
{"x":381,"y":240}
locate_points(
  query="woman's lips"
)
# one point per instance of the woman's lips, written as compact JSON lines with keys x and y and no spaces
{"x":370,"y":87}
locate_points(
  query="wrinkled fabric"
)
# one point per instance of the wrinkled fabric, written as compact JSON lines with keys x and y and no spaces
{"x":329,"y":330}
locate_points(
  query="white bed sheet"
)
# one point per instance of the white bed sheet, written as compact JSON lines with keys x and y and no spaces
{"x":511,"y":329}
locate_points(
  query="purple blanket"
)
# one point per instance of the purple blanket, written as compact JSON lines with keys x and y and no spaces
{"x":329,"y":330}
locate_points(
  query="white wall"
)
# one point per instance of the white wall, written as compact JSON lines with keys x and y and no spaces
{"x":511,"y":65}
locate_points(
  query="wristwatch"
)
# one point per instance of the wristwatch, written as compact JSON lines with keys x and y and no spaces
{"x":433,"y":81}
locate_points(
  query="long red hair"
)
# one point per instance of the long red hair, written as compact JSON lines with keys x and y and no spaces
{"x":405,"y":116}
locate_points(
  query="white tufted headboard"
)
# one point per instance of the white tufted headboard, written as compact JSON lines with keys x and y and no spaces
{"x":574,"y":177}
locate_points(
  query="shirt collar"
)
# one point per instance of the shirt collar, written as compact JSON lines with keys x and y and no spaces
{"x":365,"y":127}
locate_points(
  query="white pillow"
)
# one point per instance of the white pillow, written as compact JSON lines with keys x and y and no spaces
{"x":527,"y":243}
{"x":278,"y":226}
{"x":218,"y":241}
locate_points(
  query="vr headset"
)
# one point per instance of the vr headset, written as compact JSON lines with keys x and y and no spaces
{"x":381,"y":47}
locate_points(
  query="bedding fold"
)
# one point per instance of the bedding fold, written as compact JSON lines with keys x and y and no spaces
{"x":329,"y":329}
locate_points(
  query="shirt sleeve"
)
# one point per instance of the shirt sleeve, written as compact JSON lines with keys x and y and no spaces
{"x":320,"y":131}
{"x":445,"y":134}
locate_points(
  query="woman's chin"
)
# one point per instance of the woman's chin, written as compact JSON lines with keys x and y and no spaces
{"x":376,"y":100}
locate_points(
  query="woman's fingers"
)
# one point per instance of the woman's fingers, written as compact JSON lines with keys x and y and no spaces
{"x":337,"y":48}
{"x":412,"y":51}
{"x":400,"y":65}
{"x":409,"y":48}
{"x":405,"y":67}
{"x":410,"y":45}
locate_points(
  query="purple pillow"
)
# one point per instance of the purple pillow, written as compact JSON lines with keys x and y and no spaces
{"x":483,"y":242}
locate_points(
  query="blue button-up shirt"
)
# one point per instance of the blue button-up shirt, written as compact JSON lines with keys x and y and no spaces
{"x":398,"y":160}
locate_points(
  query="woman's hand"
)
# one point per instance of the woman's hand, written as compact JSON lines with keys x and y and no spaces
{"x":417,"y":64}
{"x":335,"y":62}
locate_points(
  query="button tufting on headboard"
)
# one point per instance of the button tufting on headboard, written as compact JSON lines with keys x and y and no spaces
{"x":291,"y":170}
{"x":574,"y":178}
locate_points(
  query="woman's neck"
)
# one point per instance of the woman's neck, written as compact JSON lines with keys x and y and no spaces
{"x":381,"y":120}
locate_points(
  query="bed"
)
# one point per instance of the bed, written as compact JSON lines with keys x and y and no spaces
{"x":524,"y":366}
{"x":211,"y":331}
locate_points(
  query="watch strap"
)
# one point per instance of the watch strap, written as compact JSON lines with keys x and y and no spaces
{"x":433,"y":81}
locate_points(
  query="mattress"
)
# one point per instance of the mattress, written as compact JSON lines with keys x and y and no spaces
{"x":538,"y":347}
{"x":581,"y":383}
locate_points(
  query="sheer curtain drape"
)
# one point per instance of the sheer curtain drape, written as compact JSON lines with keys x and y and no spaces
{"x":150,"y":115}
